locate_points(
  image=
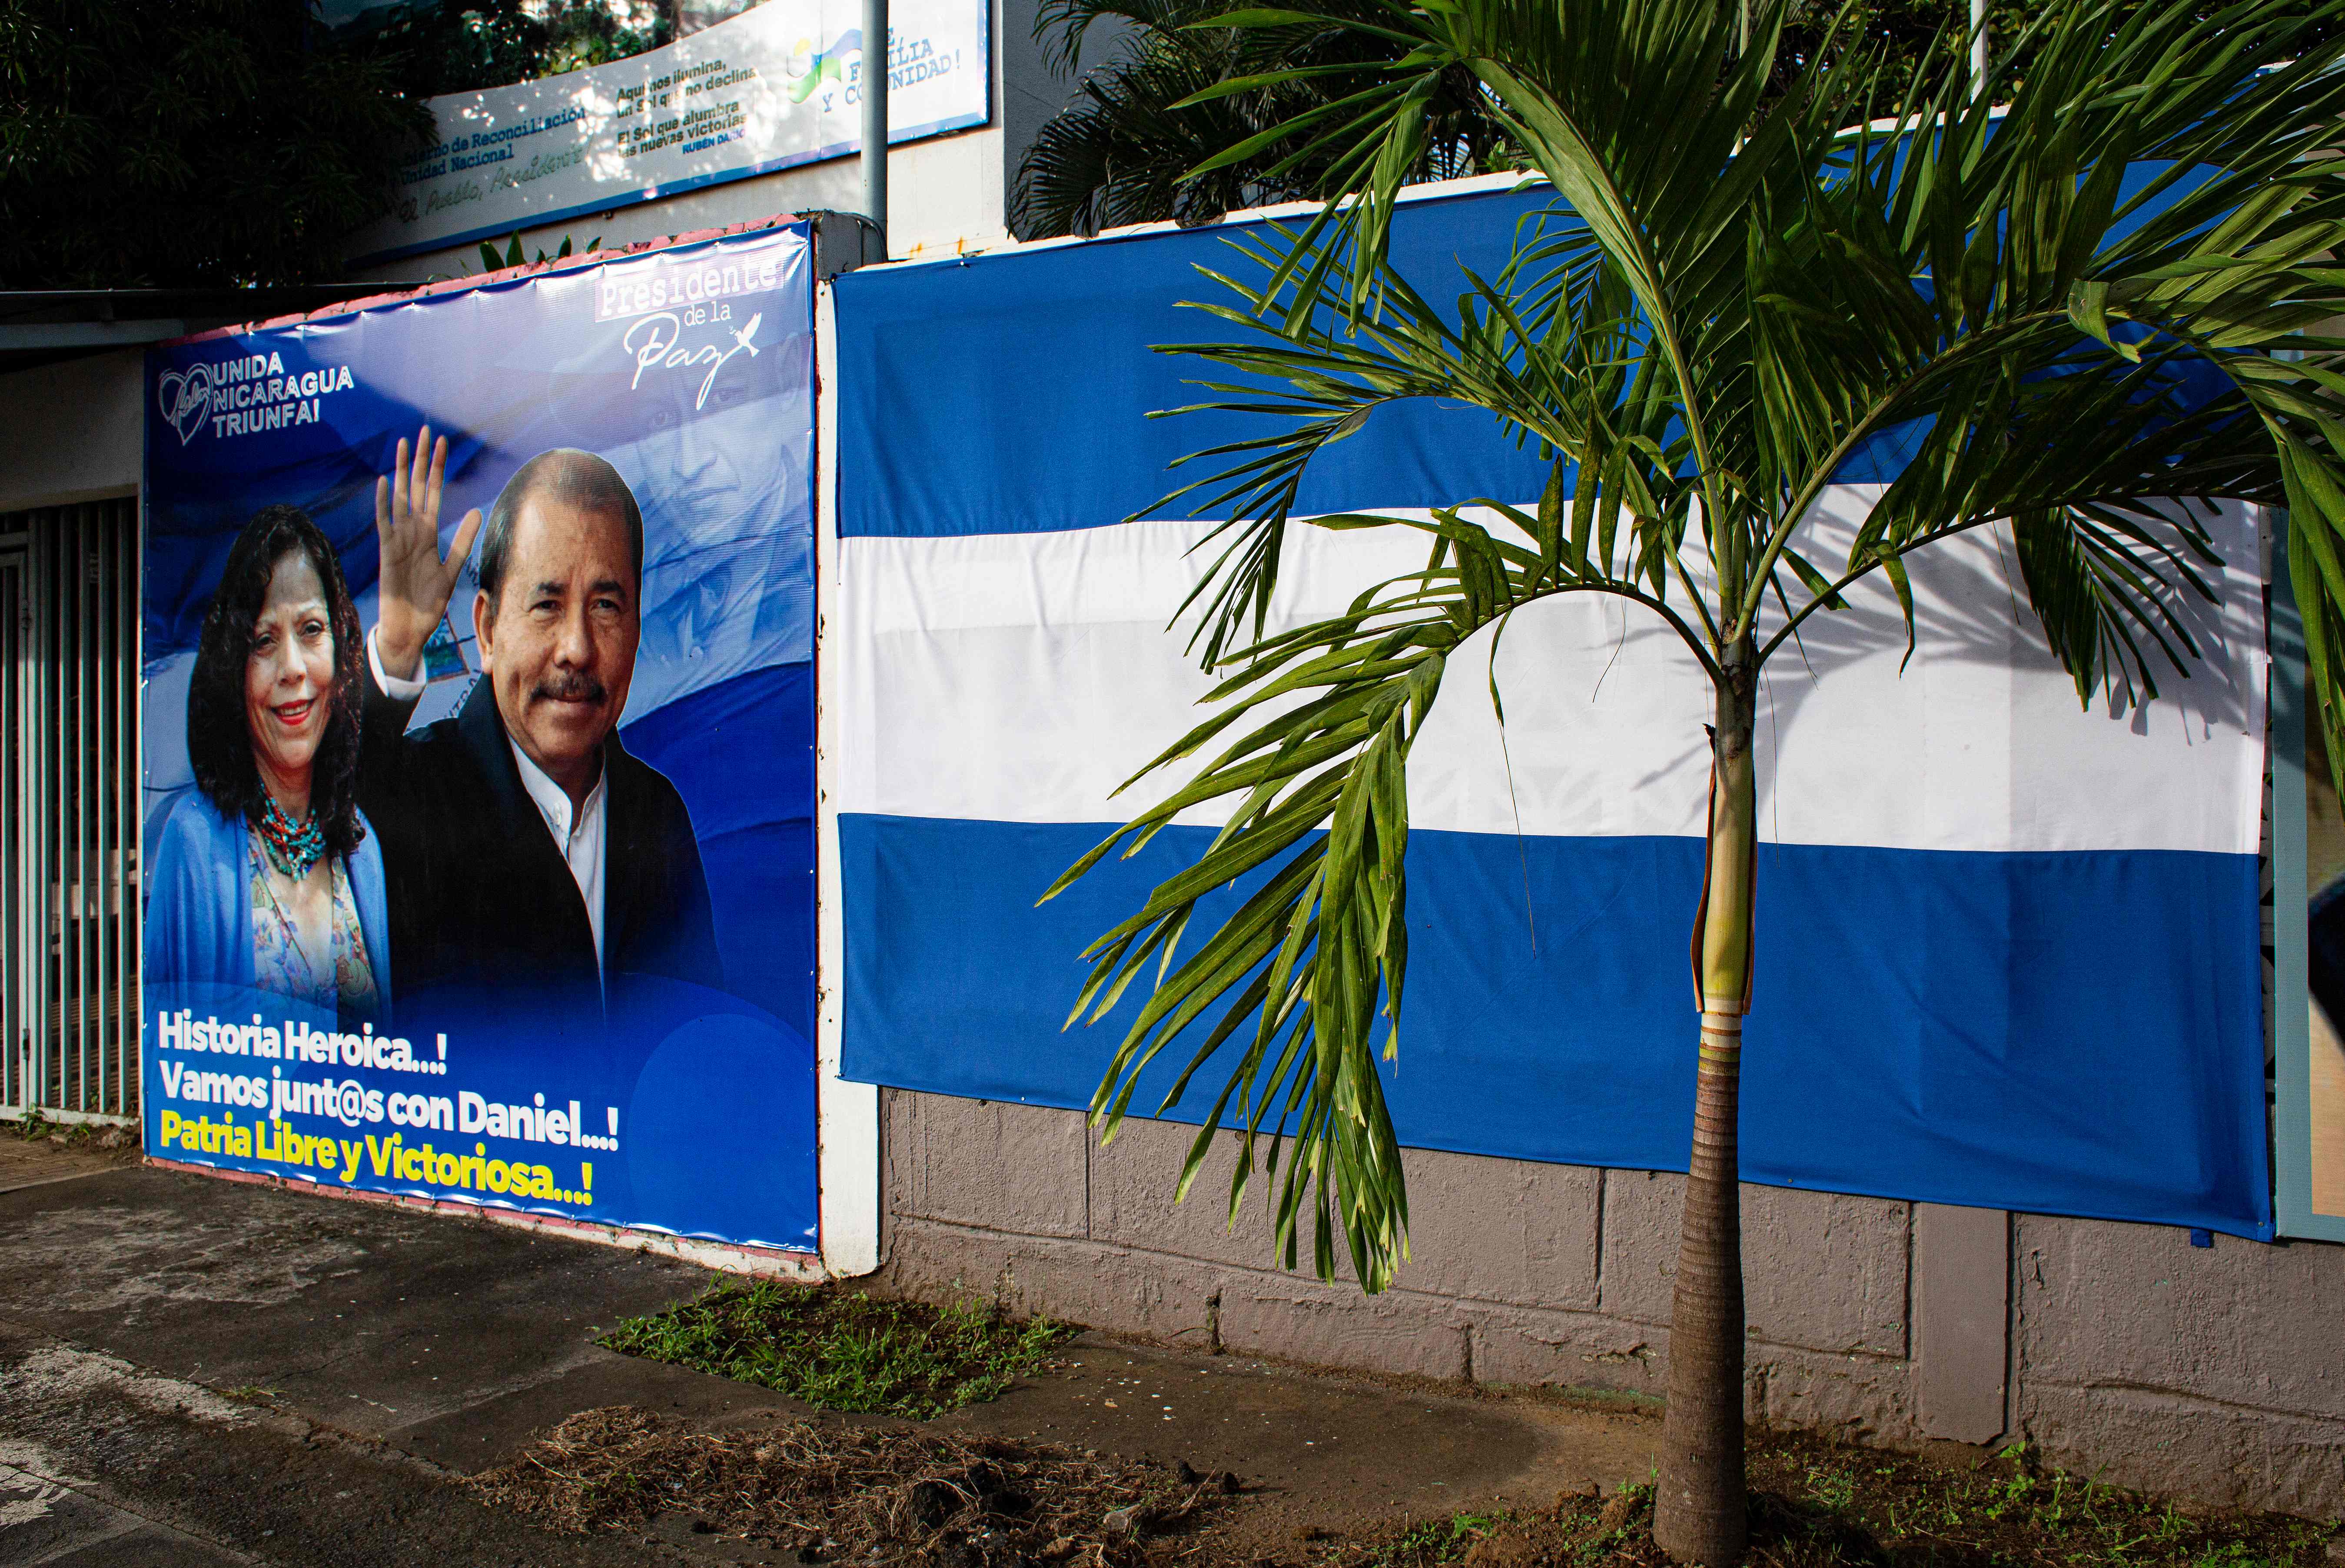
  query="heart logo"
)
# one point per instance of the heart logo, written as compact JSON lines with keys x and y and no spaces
{"x":186,"y":397}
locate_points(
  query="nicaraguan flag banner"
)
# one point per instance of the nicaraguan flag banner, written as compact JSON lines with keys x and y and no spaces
{"x":2009,"y":952}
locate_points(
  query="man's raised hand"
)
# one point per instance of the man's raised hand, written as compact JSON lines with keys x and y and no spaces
{"x":415,"y":582}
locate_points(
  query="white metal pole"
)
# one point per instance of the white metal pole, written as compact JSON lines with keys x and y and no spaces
{"x":875,"y":112}
{"x":1978,"y":47}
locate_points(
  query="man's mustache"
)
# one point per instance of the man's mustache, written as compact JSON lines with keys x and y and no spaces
{"x":575,"y":686}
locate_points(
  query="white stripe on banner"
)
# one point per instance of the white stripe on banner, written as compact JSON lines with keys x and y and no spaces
{"x":1021,"y":677}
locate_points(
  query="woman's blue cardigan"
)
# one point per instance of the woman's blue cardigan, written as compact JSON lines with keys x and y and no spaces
{"x":200,"y":901}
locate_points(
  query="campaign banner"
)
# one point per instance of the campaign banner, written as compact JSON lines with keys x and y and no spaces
{"x":777,"y":85}
{"x":479,"y":746}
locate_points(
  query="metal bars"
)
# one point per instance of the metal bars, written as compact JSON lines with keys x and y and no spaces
{"x":70,"y":790}
{"x":16,"y":968}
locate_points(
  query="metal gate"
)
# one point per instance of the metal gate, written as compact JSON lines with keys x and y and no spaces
{"x":69,"y":811}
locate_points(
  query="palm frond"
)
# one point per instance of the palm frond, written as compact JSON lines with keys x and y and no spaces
{"x":1315,"y":839}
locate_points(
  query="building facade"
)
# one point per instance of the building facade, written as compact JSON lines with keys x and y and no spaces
{"x":2205,"y":1366}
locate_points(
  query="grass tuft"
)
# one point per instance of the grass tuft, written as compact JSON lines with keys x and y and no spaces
{"x":33,"y":1126}
{"x":1436,"y":1541}
{"x":85,"y":1136}
{"x":845,"y":1352}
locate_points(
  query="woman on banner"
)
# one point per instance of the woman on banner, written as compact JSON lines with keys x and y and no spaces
{"x":268,"y":876}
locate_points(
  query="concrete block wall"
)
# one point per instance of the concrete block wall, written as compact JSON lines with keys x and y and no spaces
{"x":2211,"y":1373}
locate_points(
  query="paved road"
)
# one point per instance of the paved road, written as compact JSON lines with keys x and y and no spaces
{"x":203,"y":1372}
{"x":373,"y":1354}
{"x":102,"y":1464}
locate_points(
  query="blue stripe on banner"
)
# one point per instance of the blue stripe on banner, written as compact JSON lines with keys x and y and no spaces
{"x":2076,"y":1033}
{"x":1009,"y":394}
{"x":973,"y":396}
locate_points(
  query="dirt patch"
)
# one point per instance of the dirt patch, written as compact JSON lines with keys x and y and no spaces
{"x":849,"y":1493}
{"x":35,"y":1151}
{"x":1820,"y":1504}
{"x":874,"y":1496}
{"x":118,"y":1145}
{"x":868,"y":1496}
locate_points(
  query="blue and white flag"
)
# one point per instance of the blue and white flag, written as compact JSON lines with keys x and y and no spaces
{"x":2008,"y":951}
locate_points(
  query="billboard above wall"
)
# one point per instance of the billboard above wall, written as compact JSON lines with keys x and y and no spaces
{"x":777,"y":85}
{"x":479,"y":796}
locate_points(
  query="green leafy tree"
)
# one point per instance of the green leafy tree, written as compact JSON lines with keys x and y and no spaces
{"x":452,"y":47}
{"x":492,"y":260}
{"x":203,"y":141}
{"x":1727,"y":302}
{"x":1124,"y":152}
{"x":1129,"y":149}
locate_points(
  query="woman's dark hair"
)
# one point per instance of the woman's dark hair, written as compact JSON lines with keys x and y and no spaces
{"x":219,"y":736}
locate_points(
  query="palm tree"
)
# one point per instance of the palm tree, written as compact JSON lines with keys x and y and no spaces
{"x":1729,"y":300}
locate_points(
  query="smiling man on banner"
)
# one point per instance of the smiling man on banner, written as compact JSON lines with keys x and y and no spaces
{"x":533,"y":863}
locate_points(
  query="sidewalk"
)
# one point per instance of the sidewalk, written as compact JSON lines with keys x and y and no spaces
{"x":201,"y":1371}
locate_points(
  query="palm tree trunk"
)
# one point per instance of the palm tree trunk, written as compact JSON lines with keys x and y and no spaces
{"x":1698,"y":1512}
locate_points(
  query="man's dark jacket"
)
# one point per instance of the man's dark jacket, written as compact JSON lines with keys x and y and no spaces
{"x":484,"y":914}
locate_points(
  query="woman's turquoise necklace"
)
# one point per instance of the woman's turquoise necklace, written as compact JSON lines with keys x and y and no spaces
{"x":291,"y":850}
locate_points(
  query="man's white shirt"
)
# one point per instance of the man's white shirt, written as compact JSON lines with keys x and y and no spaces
{"x":581,"y":836}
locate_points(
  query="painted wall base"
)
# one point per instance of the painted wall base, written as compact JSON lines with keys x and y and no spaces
{"x":59,"y":1118}
{"x":761,"y":1262}
{"x":2213,"y":1373}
